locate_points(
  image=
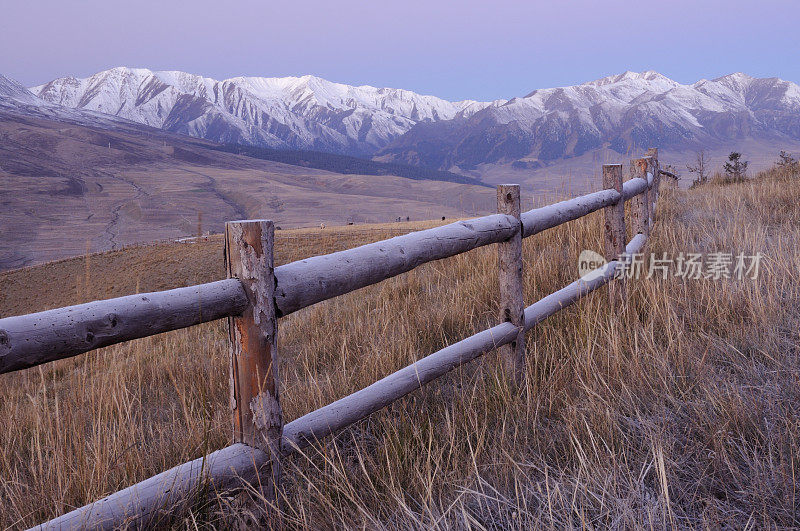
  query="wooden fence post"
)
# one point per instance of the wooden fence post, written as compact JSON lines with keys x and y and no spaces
{"x":655,"y":169}
{"x":639,"y":204}
{"x":615,"y":237}
{"x":652,"y":193}
{"x":257,"y":416}
{"x":512,"y":306}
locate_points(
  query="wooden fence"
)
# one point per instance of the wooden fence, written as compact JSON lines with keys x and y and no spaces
{"x":257,"y":294}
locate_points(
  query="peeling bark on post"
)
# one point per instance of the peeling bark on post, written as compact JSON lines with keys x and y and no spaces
{"x":614,"y":216}
{"x":655,"y":168}
{"x":512,"y":306}
{"x":652,"y":169}
{"x":257,"y":416}
{"x":639,"y":204}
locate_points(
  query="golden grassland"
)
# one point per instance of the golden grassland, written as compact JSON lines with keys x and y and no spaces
{"x":680,"y":411}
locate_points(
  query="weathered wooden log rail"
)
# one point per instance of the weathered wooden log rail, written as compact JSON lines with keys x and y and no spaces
{"x":257,"y":294}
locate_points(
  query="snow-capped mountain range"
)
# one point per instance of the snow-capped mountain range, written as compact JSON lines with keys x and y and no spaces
{"x":623,"y":112}
{"x":291,"y":112}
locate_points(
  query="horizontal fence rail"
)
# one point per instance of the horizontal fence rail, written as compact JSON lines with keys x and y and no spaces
{"x":316,"y":279}
{"x":29,"y":340}
{"x":141,"y":505}
{"x":634,"y":187}
{"x":540,"y":219}
{"x":33,"y":339}
{"x":257,"y":294}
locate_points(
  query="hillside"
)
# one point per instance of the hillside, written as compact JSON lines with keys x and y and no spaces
{"x":346,"y":164}
{"x":69,"y":187}
{"x":679,"y":412}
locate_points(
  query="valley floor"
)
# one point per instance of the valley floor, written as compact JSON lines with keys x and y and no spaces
{"x":680,"y":411}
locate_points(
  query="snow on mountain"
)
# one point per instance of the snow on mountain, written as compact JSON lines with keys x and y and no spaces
{"x":624,"y":111}
{"x":16,"y":100}
{"x":292,"y":112}
{"x":12,"y":93}
{"x":621,"y":112}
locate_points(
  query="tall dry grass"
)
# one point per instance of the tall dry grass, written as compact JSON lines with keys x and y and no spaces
{"x":678,"y":412}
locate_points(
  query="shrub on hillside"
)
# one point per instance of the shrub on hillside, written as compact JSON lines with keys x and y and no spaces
{"x":735,"y":168}
{"x":788,"y":165}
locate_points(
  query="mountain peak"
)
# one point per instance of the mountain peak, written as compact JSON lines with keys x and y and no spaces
{"x":647,"y":75}
{"x":126,"y":70}
{"x":738,"y":81}
{"x":736,"y":76}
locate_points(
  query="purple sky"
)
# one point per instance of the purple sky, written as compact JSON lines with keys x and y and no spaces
{"x":456,"y":50}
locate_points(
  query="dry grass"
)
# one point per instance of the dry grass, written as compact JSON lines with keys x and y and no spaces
{"x":679,"y":412}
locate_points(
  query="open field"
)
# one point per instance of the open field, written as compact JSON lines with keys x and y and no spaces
{"x":66,"y":188}
{"x":680,"y":412}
